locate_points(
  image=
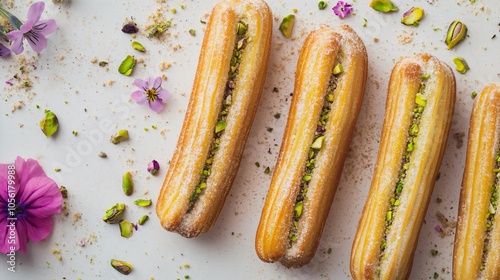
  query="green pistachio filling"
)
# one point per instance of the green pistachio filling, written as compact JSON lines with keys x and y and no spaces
{"x":317,"y":144}
{"x":394,"y":202}
{"x":241,"y":41}
{"x":490,"y":217}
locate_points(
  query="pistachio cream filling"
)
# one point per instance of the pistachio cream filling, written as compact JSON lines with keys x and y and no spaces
{"x":317,"y":144}
{"x":241,"y":40}
{"x":394,"y":201}
{"x":490,"y":216}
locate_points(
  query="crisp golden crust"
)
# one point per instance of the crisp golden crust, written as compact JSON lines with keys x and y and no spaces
{"x":319,"y":53}
{"x":420,"y":177}
{"x":202,"y":114}
{"x":477,"y":184}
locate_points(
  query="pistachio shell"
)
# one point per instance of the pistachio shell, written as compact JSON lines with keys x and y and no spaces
{"x":127,"y":66}
{"x":49,"y":124}
{"x":457,"y":31}
{"x":286,"y":25}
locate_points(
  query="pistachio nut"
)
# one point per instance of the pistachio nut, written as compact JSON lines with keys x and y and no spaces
{"x":456,"y":33}
{"x":127,"y":66}
{"x":338,"y":69}
{"x":461,"y":65}
{"x":220,"y":126}
{"x":143,"y":219}
{"x":242,"y":28}
{"x":318,"y":143}
{"x":49,"y":124}
{"x":120,"y":136}
{"x":127,"y":184}
{"x":114,"y":213}
{"x":286,"y":25}
{"x":143,"y":202}
{"x":421,"y":100}
{"x":126,"y":228}
{"x":322,"y":5}
{"x":384,"y":6}
{"x":298,"y":208}
{"x":138,"y":46}
{"x":413,"y":16}
{"x":123,"y":267}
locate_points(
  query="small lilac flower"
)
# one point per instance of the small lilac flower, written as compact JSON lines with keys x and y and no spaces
{"x":4,"y":51}
{"x":150,"y":92}
{"x":153,"y":167}
{"x":28,"y":200}
{"x":34,"y":30}
{"x":342,"y":9}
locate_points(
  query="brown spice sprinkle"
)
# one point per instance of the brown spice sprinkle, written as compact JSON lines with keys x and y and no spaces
{"x":459,"y":137}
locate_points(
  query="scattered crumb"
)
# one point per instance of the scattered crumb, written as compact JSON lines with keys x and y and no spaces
{"x":406,"y":37}
{"x":459,"y":137}
{"x":447,"y":226}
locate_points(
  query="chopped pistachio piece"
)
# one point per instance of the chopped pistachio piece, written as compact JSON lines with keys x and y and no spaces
{"x":457,"y":31}
{"x":64,"y":191}
{"x":114,"y":213}
{"x":127,"y":184}
{"x":143,"y":219}
{"x":318,"y":143}
{"x":461,"y":65}
{"x":421,"y":100}
{"x":286,"y":25}
{"x":322,"y":5}
{"x":220,"y":126}
{"x":241,"y":28}
{"x":338,"y":69}
{"x":143,"y":202}
{"x":127,"y":66}
{"x":126,"y":228}
{"x":473,"y":94}
{"x":298,"y":208}
{"x":192,"y":32}
{"x":138,"y":46}
{"x":413,"y":16}
{"x":49,"y":124}
{"x":120,"y":136}
{"x":307,"y":178}
{"x":123,"y":267}
{"x":384,"y":6}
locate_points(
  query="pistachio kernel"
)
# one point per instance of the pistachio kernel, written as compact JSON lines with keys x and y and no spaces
{"x":338,"y":69}
{"x":143,"y":202}
{"x":114,"y":213}
{"x":241,"y":28}
{"x":318,"y":143}
{"x":384,"y":6}
{"x":298,"y":208}
{"x":461,"y":65}
{"x":286,"y":25}
{"x":457,"y":31}
{"x":220,"y":126}
{"x":138,"y":46}
{"x":123,"y":267}
{"x":127,"y":184}
{"x":127,"y":66}
{"x":421,"y":100}
{"x":120,"y":136}
{"x":143,"y":219}
{"x":322,"y":5}
{"x":126,"y":228}
{"x":413,"y":16}
{"x":49,"y":124}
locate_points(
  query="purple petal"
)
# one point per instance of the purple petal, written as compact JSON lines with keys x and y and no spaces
{"x":27,"y":26}
{"x":39,"y":229}
{"x":25,"y":170}
{"x":139,"y":97}
{"x":35,"y":11}
{"x":4,"y":233}
{"x":157,"y":83}
{"x":16,"y":36}
{"x":21,"y":236}
{"x":37,"y":41}
{"x":142,"y":84}
{"x":156,"y":105}
{"x":151,"y":81}
{"x":41,"y":197}
{"x":45,"y":27}
{"x":4,"y":51}
{"x":163,"y":94}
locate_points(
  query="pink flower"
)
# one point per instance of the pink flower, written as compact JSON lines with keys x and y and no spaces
{"x":28,"y":200}
{"x":151,"y":92}
{"x":34,"y":30}
{"x":4,"y":51}
{"x":342,"y":9}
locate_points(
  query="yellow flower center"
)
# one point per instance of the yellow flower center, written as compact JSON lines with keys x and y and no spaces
{"x":152,"y":94}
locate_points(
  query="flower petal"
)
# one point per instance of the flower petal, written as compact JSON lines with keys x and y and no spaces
{"x":38,"y":229}
{"x":45,"y":27}
{"x":35,"y":11}
{"x":41,"y":197}
{"x":157,"y":83}
{"x":16,"y":37}
{"x":142,"y":84}
{"x":27,"y":26}
{"x":37,"y":41}
{"x":163,"y":94}
{"x":21,"y":236}
{"x":156,"y":105}
{"x":4,"y":235}
{"x":139,"y":97}
{"x":26,"y":169}
{"x":151,"y":81}
{"x":4,"y":51}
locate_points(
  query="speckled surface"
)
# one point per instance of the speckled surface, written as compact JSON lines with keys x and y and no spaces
{"x":95,"y":101}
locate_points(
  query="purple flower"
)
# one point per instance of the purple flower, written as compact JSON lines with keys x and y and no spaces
{"x":28,"y":200}
{"x":153,"y":167}
{"x":4,"y":51}
{"x":34,"y":30}
{"x":150,"y":92}
{"x":342,"y":9}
